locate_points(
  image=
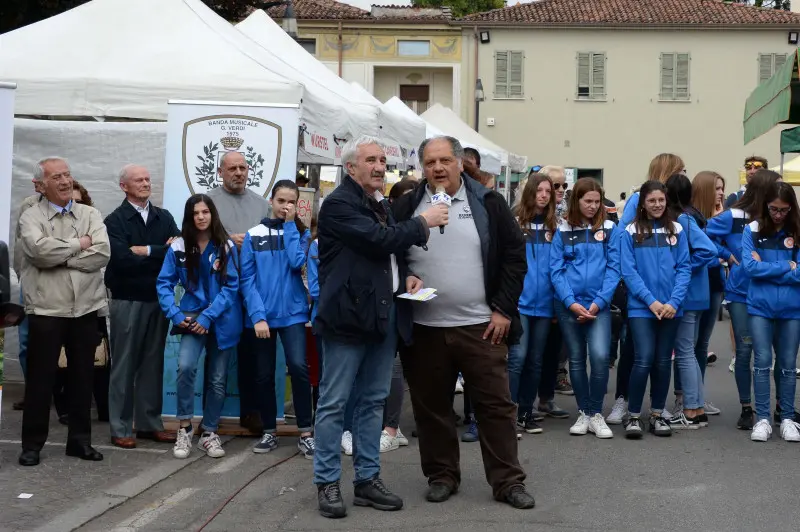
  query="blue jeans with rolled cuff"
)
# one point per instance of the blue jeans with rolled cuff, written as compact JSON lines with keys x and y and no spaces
{"x":653,"y":342}
{"x":525,"y":362}
{"x":215,"y":382}
{"x":784,"y":336}
{"x":688,"y":376}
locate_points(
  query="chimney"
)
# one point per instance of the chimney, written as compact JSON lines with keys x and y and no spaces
{"x":448,"y":13}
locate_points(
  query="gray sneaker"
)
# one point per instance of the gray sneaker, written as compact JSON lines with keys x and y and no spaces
{"x":268,"y":443}
{"x":659,"y":426}
{"x":633,"y":428}
{"x":306,"y":446}
{"x":710,"y":409}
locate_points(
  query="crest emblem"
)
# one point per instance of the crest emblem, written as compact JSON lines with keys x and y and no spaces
{"x":548,"y":236}
{"x":207,"y":139}
{"x":466,"y":208}
{"x":788,"y":242}
{"x":600,"y":236}
{"x":673,"y":240}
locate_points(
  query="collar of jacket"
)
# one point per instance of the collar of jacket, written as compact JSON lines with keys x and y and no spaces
{"x":131,"y":212}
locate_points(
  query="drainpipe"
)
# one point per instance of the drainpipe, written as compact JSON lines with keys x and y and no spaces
{"x":475,"y":72}
{"x":341,"y":51}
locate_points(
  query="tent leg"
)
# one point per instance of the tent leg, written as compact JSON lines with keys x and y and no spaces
{"x":782,"y":156}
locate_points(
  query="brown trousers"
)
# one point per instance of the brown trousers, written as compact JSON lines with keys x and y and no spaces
{"x":431,"y":366}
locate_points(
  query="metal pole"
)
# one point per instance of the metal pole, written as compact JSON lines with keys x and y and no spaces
{"x":477,"y":114}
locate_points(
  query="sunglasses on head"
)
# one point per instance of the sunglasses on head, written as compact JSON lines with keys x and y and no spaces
{"x":753,"y":164}
{"x":559,"y":186}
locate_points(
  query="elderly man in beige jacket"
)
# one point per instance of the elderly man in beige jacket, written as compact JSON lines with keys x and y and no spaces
{"x":65,"y":246}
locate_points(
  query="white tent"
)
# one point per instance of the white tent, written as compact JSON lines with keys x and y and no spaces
{"x":118,"y":58}
{"x":449,"y":122}
{"x":407,"y":131}
{"x":491,"y":161}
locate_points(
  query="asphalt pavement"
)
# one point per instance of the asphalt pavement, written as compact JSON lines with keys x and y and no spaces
{"x":712,"y":479}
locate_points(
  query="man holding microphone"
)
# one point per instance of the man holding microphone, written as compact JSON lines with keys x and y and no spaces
{"x":477,"y":266}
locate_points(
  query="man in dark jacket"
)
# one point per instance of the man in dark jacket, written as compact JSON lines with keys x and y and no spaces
{"x":477,"y":266}
{"x":140,"y":234}
{"x":361,"y":269}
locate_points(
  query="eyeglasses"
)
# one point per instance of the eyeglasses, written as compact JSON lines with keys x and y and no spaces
{"x":780,"y":212}
{"x":559,"y":186}
{"x":753,"y":164}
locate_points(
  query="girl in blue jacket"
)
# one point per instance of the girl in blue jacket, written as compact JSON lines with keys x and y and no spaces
{"x":769,"y":256}
{"x":536,"y":214}
{"x":690,"y":399}
{"x":727,"y":230}
{"x":661,"y":168}
{"x":657,"y":271}
{"x":203,"y":261}
{"x":584,"y":266}
{"x":273,"y":255}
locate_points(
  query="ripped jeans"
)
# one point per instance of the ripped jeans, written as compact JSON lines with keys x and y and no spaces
{"x":740,"y":321}
{"x":784,"y":335}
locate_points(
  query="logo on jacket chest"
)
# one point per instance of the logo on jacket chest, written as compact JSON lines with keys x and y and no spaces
{"x":466,"y":213}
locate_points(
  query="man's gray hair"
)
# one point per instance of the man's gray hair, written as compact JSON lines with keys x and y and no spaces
{"x":350,"y":149}
{"x":123,"y":174}
{"x":458,"y":149}
{"x":222,"y":159}
{"x":38,"y":172}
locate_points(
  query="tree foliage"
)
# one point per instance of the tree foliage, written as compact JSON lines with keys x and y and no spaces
{"x":462,"y":7}
{"x":17,"y":13}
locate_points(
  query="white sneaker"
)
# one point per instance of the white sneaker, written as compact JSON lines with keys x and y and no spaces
{"x":211,"y":445}
{"x":789,"y":430}
{"x":347,"y":443}
{"x":619,"y":411}
{"x":183,"y":445}
{"x":666,"y":414}
{"x":388,"y":442}
{"x":762,"y":431}
{"x":710,"y":409}
{"x":460,"y":384}
{"x":581,"y":426}
{"x":598,"y":427}
{"x":732,"y":365}
{"x":402,"y":441}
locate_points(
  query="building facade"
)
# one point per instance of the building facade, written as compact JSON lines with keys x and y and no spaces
{"x":604,"y":85}
{"x":411,"y":53}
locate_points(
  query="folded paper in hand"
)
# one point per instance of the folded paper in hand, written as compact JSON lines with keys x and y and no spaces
{"x":426,"y":294}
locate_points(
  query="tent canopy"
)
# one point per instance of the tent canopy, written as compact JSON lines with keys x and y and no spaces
{"x":490,"y":161}
{"x":118,"y":58}
{"x":446,"y":120}
{"x":408,"y":131}
{"x":326,"y":103}
{"x":790,"y":140}
{"x":776,"y":101}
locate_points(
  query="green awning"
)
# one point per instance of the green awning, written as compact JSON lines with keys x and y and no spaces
{"x":776,"y":101}
{"x":790,"y":140}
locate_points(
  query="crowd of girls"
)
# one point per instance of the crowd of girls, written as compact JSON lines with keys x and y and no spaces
{"x":676,"y":254}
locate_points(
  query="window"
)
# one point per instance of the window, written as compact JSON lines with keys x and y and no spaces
{"x":674,"y":77}
{"x":591,"y":76}
{"x":508,"y":74}
{"x":768,"y":64}
{"x":414,"y":48}
{"x":309,"y":45}
{"x":417,"y":97}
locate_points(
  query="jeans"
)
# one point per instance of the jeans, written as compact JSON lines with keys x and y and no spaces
{"x":216,"y":380}
{"x":653,"y":341}
{"x":293,"y":339}
{"x":688,"y":377}
{"x":784,"y":335}
{"x":552,"y":354}
{"x":625,"y":364}
{"x":705,"y":326}
{"x":596,"y":335}
{"x":525,"y":362}
{"x":363,"y":370}
{"x":394,"y":403}
{"x":22,"y":332}
{"x":740,"y":321}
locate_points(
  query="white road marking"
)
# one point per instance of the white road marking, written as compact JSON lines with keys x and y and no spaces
{"x":144,"y":517}
{"x":226,"y":464}
{"x":101,"y":447}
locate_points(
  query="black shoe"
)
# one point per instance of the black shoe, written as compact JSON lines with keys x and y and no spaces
{"x":29,"y":458}
{"x":330,"y":500}
{"x":746,"y":419}
{"x":84,"y":452}
{"x":529,"y":425}
{"x":702,"y":419}
{"x":519,"y":498}
{"x":439,"y":492}
{"x":374,"y":493}
{"x":19,"y":405}
{"x":64,"y":419}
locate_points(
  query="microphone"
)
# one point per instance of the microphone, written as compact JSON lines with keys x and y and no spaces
{"x":439,"y":198}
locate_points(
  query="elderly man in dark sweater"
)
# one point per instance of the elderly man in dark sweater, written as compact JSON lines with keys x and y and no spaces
{"x":140,"y":234}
